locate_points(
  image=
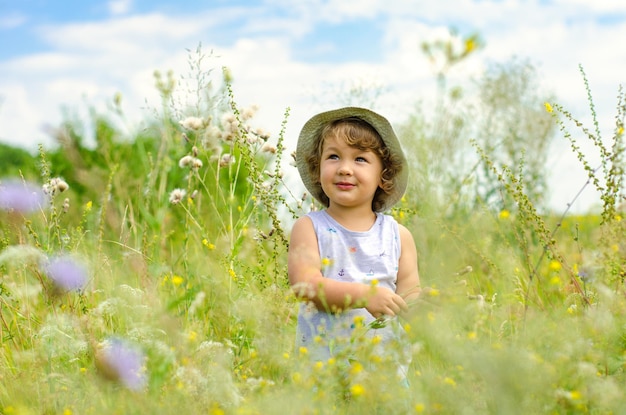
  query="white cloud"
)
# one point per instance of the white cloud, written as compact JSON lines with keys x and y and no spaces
{"x":118,"y":7}
{"x":12,"y":20}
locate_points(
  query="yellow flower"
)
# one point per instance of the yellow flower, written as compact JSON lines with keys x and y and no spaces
{"x":356,"y":368}
{"x":433,"y":292}
{"x":374,"y":282}
{"x":555,"y":265}
{"x":357,"y":389}
{"x":325,"y":262}
{"x":208,"y":244}
{"x":620,"y":130}
{"x":449,"y":381}
{"x":504,"y":214}
{"x":303,"y":351}
{"x":88,"y":206}
{"x":472,"y":335}
{"x":575,"y":395}
{"x":358,"y":321}
{"x":319,"y":365}
{"x":548,"y":107}
{"x":376,"y":339}
{"x":192,"y":336}
{"x":177,"y":280}
{"x":297,"y":377}
{"x":555,"y":280}
{"x":419,"y":408}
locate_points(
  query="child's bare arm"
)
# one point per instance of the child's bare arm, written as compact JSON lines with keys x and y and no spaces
{"x":408,"y":283}
{"x":307,"y":281}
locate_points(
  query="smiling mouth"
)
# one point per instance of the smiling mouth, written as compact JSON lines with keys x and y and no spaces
{"x":344,"y":186}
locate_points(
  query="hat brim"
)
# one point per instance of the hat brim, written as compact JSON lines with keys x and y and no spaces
{"x":310,"y":136}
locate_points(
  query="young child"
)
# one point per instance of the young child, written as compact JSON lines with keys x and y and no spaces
{"x":350,"y":262}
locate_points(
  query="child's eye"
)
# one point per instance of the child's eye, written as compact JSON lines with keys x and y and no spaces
{"x":361,"y":159}
{"x":333,"y":157}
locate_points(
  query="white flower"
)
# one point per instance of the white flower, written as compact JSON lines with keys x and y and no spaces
{"x":227,"y":159}
{"x":196,"y":163}
{"x":249,"y":113}
{"x":55,"y":185}
{"x":185,"y":161}
{"x":268,"y":148}
{"x":177,"y":196}
{"x":192,"y":123}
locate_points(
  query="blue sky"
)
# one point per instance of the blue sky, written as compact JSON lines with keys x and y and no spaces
{"x":67,"y":55}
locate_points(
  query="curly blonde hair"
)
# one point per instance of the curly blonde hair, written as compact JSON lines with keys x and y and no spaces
{"x":359,"y":134}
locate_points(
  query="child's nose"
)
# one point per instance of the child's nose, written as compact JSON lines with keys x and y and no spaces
{"x":344,"y":169}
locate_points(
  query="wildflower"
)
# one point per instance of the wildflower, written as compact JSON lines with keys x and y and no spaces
{"x":263,"y":135}
{"x":230,"y":124}
{"x":177,"y":280}
{"x":449,"y":381}
{"x":504,"y":214}
{"x":227,"y":159}
{"x":66,"y":205}
{"x":66,"y":273}
{"x":548,"y":107}
{"x":419,"y":408}
{"x":250,"y":112}
{"x":185,"y":161}
{"x":357,"y":390}
{"x":20,"y":196}
{"x":192,"y":123}
{"x":555,"y":265}
{"x":177,"y":196}
{"x":303,"y":351}
{"x":120,"y":361}
{"x":196,"y":163}
{"x":54,"y":186}
{"x":356,"y":368}
{"x":208,"y":244}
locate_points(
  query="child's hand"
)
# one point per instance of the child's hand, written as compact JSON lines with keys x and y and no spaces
{"x":384,"y":302}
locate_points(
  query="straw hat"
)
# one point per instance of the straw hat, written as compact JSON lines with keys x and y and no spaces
{"x":310,"y":136}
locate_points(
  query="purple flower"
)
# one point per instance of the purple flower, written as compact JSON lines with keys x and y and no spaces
{"x":21,"y":196}
{"x":121,"y":361}
{"x":66,"y":273}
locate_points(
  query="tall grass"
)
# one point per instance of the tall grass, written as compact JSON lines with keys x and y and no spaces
{"x":185,"y":238}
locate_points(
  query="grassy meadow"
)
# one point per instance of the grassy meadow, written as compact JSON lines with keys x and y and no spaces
{"x":148,"y":275}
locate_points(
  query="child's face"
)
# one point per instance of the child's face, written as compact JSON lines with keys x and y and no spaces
{"x":349,"y":176}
